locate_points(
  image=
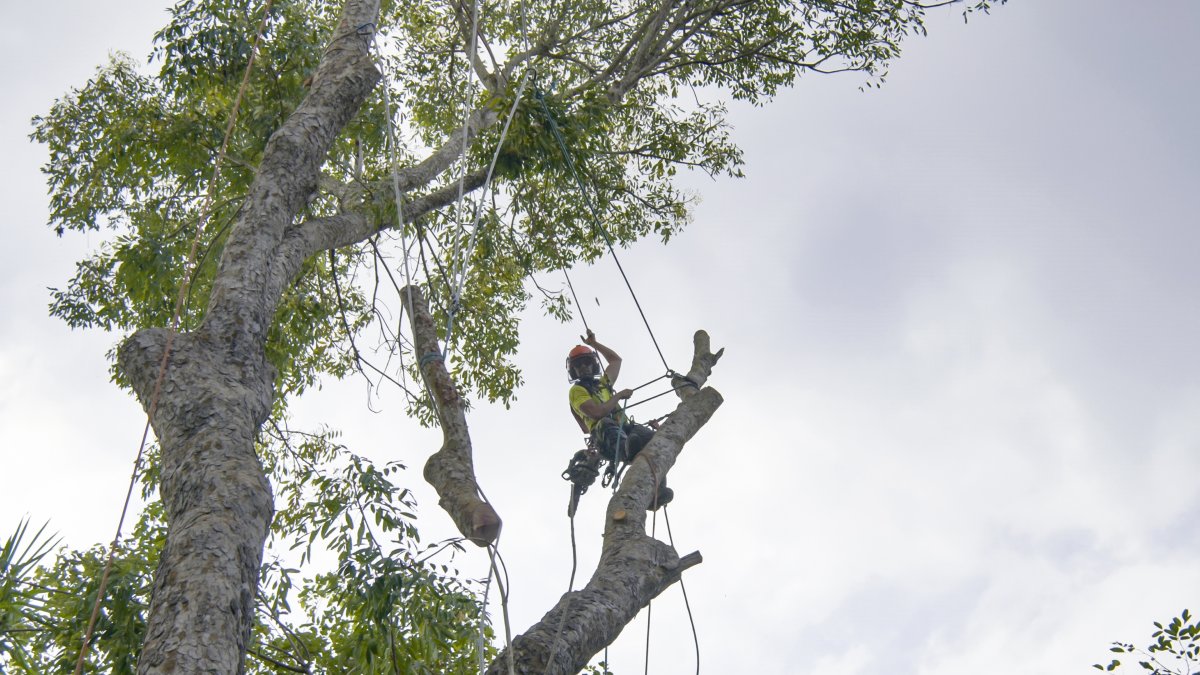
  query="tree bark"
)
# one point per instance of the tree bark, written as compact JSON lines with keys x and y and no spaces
{"x":451,"y":470}
{"x":217,"y":500}
{"x":218,"y":387}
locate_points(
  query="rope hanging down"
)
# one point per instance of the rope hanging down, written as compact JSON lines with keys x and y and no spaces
{"x":458,"y":280}
{"x":455,"y":263}
{"x":184,"y":287}
{"x":460,"y":275}
{"x":596,"y":223}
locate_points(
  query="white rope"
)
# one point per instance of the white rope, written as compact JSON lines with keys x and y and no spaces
{"x":394,"y":160}
{"x":459,"y":264}
{"x":461,"y":278}
{"x":399,"y":198}
{"x":472,"y":54}
{"x":487,"y":589}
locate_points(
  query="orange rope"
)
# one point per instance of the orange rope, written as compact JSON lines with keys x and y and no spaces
{"x":175,"y":320}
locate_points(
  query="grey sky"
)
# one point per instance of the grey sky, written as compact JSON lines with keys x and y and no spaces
{"x":962,"y":418}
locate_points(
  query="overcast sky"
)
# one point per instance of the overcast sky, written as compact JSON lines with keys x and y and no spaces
{"x":962,"y":421}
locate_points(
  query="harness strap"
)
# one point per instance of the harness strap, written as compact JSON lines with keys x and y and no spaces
{"x":593,"y":388}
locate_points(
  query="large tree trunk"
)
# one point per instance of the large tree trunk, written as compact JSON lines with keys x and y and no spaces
{"x":218,"y":386}
{"x":217,"y":501}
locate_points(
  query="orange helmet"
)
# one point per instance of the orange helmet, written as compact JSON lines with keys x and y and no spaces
{"x":582,"y":363}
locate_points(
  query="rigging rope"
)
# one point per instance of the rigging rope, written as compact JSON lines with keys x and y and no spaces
{"x":686,"y":604}
{"x":458,"y":281}
{"x":596,"y":223}
{"x":472,"y":52}
{"x":170,"y":341}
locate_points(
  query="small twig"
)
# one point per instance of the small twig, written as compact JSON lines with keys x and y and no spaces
{"x":278,"y":664}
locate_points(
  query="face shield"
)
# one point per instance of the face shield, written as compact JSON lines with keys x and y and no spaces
{"x":583,"y":367}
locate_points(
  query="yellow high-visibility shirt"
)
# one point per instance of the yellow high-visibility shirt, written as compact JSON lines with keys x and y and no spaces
{"x":579,"y":394}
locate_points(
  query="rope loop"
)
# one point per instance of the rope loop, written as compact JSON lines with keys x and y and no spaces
{"x":687,"y":381}
{"x":426,"y":359}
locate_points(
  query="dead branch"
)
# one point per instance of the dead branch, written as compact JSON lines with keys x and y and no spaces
{"x":451,"y":470}
{"x":703,"y":361}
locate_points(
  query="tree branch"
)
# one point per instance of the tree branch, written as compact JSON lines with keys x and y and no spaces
{"x":703,"y":361}
{"x":450,"y":470}
{"x":441,"y":159}
{"x":352,"y":227}
{"x":463,"y":16}
{"x":277,"y":664}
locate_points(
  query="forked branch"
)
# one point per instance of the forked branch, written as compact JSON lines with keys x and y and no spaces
{"x":703,"y":361}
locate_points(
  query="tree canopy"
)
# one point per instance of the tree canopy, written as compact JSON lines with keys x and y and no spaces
{"x":299,"y":274}
{"x":638,"y":90}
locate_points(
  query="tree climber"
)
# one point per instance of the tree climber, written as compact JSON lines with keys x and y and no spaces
{"x":598,"y":411}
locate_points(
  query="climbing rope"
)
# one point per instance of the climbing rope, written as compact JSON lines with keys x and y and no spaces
{"x":682,"y":587}
{"x":596,"y":223}
{"x":202,"y":219}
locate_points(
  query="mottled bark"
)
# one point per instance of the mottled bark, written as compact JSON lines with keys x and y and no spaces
{"x":451,"y":470}
{"x":218,"y":388}
{"x":217,"y":500}
{"x":634,"y":567}
{"x":248,"y":283}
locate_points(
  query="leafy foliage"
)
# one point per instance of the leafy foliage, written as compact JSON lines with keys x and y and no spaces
{"x":634,"y":88}
{"x":628,"y":85}
{"x":347,"y":586}
{"x":20,"y":602}
{"x":1175,"y":651}
{"x":59,"y":599}
{"x":386,"y":604}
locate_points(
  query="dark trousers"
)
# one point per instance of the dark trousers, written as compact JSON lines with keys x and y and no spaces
{"x":628,"y":439}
